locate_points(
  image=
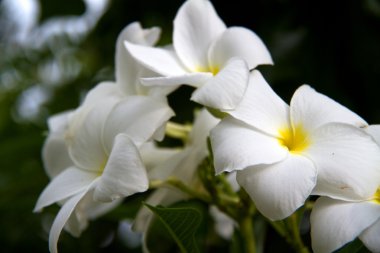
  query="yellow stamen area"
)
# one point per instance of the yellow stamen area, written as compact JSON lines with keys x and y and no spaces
{"x":102,"y":167}
{"x":213,"y":69}
{"x":295,"y":140}
{"x":376,"y":197}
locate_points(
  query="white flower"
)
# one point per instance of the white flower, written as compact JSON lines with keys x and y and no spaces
{"x":285,"y":153}
{"x":206,"y":55}
{"x":181,"y":165}
{"x":335,"y":222}
{"x":102,"y":138}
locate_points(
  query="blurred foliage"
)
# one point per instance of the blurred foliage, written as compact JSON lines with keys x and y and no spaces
{"x":331,"y":45}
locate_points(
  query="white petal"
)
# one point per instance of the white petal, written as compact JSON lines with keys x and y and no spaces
{"x":192,"y":79}
{"x":101,"y":91}
{"x":239,"y":42}
{"x":374,"y":131}
{"x":370,"y":236}
{"x":279,"y":189}
{"x":84,"y":139}
{"x":127,"y":69}
{"x":313,"y":109}
{"x":137,"y":116}
{"x":226,"y":89}
{"x":152,"y":155}
{"x":58,"y":122}
{"x":61,"y":219}
{"x":69,"y":182}
{"x":124,"y":173}
{"x":224,"y":225}
{"x":196,"y":25}
{"x":160,"y":60}
{"x":261,"y":107}
{"x":55,"y":156}
{"x":134,"y":33}
{"x":347,"y":159}
{"x":335,"y":223}
{"x":237,"y":145}
{"x":203,"y":124}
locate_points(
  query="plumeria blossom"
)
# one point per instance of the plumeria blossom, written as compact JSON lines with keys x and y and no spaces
{"x":336,"y":222}
{"x":206,"y":55}
{"x":181,"y":165}
{"x":102,"y":141}
{"x":283,"y":153}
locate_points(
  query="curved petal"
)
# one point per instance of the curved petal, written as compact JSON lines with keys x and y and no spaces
{"x":127,"y":69}
{"x":61,"y":219}
{"x":239,"y":42}
{"x":193,"y":79}
{"x":348,"y":162}
{"x":136,"y":116}
{"x":152,"y":155}
{"x":374,"y":131}
{"x":370,"y":236}
{"x":237,"y":145}
{"x":99,"y":92}
{"x":69,"y":182}
{"x":335,"y":223}
{"x":58,"y":122}
{"x":261,"y":107}
{"x":124,"y":173}
{"x":279,"y":189}
{"x":160,"y":60}
{"x":55,"y":156}
{"x":313,"y":109}
{"x":226,"y":89}
{"x":196,"y":25}
{"x":84,"y":138}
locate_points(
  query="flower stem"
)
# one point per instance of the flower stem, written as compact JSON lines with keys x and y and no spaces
{"x":246,"y":228}
{"x":296,"y":237}
{"x":177,"y":131}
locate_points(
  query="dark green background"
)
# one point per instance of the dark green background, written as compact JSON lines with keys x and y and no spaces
{"x":331,"y":45}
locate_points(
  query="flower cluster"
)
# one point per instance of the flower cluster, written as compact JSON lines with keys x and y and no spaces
{"x":280,"y":154}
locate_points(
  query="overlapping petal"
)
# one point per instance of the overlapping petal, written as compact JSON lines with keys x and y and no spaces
{"x":313,"y":109}
{"x":374,"y":131}
{"x":239,"y":42}
{"x":261,"y":107}
{"x":196,"y":80}
{"x":335,"y":223}
{"x":237,"y":146}
{"x":196,"y":25}
{"x":281,"y":188}
{"x":71,"y":181}
{"x":136,"y":116}
{"x":347,"y":159}
{"x":124,"y":174}
{"x":370,"y":236}
{"x":61,"y":219}
{"x":161,"y":60}
{"x":226,"y":89}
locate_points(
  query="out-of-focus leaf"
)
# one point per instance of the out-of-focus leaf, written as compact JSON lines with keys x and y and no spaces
{"x":355,"y":246}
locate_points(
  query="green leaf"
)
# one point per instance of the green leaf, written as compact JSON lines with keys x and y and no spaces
{"x":182,"y":222}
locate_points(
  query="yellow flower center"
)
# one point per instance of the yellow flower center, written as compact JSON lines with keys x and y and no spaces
{"x":376,"y":197}
{"x":295,"y":140}
{"x":214,"y":69}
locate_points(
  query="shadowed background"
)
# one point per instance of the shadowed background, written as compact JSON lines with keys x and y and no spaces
{"x":49,"y":59}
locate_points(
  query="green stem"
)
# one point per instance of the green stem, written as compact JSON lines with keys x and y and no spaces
{"x":296,"y":237}
{"x":177,"y":131}
{"x":175,"y":182}
{"x":246,"y":228}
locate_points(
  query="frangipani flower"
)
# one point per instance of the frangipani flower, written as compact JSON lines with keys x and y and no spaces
{"x":282,"y":153}
{"x":181,"y":165}
{"x":336,"y":222}
{"x":206,"y":55}
{"x":102,"y":140}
